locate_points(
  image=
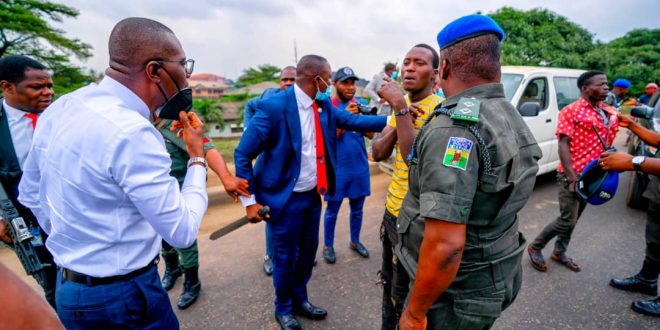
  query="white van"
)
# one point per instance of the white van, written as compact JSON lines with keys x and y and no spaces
{"x":546,"y":90}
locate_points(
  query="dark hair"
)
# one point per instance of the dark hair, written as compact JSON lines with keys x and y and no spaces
{"x":310,"y":65}
{"x":289,"y":67}
{"x":13,"y":67}
{"x":436,"y":57}
{"x":475,"y":58}
{"x":389,"y":67}
{"x":585,"y":77}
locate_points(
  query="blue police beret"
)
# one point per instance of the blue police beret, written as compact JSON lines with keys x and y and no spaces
{"x":468,"y":27}
{"x":623,"y":83}
{"x":597,"y":186}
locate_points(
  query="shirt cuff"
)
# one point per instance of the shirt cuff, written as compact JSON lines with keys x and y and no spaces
{"x":247,"y":201}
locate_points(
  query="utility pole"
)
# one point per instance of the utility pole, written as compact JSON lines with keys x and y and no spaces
{"x":295,"y":51}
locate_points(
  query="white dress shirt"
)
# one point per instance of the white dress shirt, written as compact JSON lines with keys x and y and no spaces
{"x":21,"y":131}
{"x":97,"y":178}
{"x":307,"y":178}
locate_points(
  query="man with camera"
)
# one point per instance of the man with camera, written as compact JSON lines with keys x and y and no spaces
{"x":646,"y":281}
{"x":27,"y":88}
{"x":352,"y":169}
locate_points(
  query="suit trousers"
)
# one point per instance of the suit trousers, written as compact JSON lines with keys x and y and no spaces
{"x":330,"y":220}
{"x":136,"y":303}
{"x":295,"y":235}
{"x":570,"y":210}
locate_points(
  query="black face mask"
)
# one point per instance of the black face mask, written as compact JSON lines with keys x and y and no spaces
{"x":181,"y":101}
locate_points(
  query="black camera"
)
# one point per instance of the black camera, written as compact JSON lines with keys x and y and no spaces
{"x":367,"y":110}
{"x":642,"y":111}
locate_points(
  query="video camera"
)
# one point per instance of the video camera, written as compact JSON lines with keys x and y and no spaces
{"x":642,"y":111}
{"x":367,"y":110}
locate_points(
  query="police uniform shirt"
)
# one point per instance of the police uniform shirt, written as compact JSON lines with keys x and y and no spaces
{"x":445,"y":184}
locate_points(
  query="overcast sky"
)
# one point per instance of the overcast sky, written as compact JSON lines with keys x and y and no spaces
{"x":227,"y":36}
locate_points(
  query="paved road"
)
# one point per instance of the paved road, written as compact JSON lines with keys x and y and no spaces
{"x":607,"y":242}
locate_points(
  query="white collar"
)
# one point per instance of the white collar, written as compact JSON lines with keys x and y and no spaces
{"x":131,"y":99}
{"x":303,"y":99}
{"x":13,"y":114}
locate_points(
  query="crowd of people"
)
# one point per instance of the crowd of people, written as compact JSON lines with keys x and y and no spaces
{"x":107,"y":179}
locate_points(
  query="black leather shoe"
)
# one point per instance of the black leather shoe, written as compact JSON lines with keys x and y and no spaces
{"x":172,"y":272}
{"x":360,"y":249}
{"x":310,"y":311}
{"x":636,"y":283}
{"x":268,"y":266}
{"x":648,"y":307}
{"x":288,"y":322}
{"x":191,"y":288}
{"x":329,"y":254}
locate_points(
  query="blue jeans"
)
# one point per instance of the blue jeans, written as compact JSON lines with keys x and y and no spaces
{"x":330,"y":220}
{"x":295,"y":234}
{"x":137,"y":303}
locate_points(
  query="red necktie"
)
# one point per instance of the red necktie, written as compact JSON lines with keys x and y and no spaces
{"x":321,"y":174}
{"x":33,"y":117}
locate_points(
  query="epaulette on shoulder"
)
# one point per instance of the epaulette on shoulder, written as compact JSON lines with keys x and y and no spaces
{"x":467,"y":109}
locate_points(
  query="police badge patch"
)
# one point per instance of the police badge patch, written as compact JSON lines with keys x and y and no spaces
{"x":457,"y":153}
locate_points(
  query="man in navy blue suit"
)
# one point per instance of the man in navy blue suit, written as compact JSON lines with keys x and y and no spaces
{"x":294,"y":133}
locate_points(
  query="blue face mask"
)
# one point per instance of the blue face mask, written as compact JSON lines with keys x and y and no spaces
{"x":323,"y":96}
{"x":394,"y":75}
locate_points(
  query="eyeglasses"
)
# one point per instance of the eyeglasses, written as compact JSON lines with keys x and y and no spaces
{"x":187,"y":64}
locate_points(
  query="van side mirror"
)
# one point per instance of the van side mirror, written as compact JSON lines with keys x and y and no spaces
{"x":529,"y":109}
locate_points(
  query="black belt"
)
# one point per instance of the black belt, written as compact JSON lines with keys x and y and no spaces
{"x":80,"y":278}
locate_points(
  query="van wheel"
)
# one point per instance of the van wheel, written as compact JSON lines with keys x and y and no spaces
{"x":636,"y":187}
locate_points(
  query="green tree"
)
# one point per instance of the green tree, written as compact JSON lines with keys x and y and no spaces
{"x":264,"y":72}
{"x":541,"y":37}
{"x":25,"y":29}
{"x":635,"y":56}
{"x":210,"y":111}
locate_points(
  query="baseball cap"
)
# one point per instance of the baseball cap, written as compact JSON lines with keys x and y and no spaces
{"x":343,"y":74}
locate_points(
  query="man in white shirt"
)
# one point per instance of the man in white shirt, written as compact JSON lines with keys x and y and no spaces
{"x":97,"y":178}
{"x":27,"y":89}
{"x":294,"y":135}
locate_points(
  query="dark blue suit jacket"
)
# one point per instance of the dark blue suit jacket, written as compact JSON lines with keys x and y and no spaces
{"x":274,"y":132}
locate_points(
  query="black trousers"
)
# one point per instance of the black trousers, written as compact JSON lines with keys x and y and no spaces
{"x":651,"y":267}
{"x":395,"y":279}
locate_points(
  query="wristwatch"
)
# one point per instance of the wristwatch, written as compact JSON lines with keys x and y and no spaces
{"x":198,"y":160}
{"x":402,"y":112}
{"x":637,"y":162}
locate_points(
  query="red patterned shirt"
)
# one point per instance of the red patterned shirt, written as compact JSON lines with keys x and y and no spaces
{"x":576,"y":121}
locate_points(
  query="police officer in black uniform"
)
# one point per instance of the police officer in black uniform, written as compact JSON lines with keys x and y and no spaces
{"x":646,"y":281}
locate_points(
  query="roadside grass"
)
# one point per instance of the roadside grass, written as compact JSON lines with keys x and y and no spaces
{"x":226,"y":148}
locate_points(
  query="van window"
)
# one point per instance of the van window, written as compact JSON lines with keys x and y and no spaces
{"x":536,"y":91}
{"x":511,"y":82}
{"x":567,"y":91}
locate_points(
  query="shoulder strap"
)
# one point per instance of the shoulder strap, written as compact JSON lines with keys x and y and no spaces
{"x":484,"y":155}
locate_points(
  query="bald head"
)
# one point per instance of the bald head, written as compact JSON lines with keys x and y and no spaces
{"x":136,"y":40}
